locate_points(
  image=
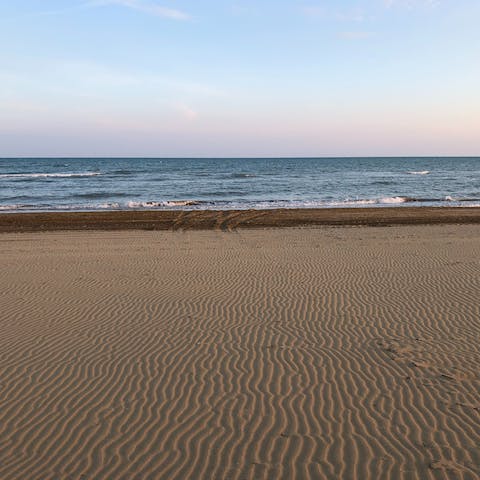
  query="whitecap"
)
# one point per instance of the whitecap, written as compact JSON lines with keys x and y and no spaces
{"x":132,"y":204}
{"x":394,"y":200}
{"x":171,"y":203}
{"x":181,"y":203}
{"x":347,"y":203}
{"x":49,"y":175}
{"x":11,"y":207}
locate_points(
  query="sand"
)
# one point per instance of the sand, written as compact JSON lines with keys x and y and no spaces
{"x":228,"y":220}
{"x":298,"y":353}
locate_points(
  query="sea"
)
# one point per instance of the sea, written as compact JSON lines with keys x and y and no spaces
{"x":103,"y":184}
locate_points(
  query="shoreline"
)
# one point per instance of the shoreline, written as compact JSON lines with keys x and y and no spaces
{"x":232,"y":219}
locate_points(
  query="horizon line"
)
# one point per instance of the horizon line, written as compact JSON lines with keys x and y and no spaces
{"x":218,"y":157}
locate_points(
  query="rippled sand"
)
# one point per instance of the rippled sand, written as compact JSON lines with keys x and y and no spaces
{"x":325,"y":353}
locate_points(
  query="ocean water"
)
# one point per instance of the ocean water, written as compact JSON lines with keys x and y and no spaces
{"x":42,"y":184}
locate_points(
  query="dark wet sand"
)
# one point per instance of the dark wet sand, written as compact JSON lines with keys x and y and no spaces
{"x":233,"y":219}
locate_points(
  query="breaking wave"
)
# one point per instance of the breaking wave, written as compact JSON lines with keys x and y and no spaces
{"x":171,"y":203}
{"x":241,"y":204}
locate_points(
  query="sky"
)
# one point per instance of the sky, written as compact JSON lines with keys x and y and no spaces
{"x":201,"y":78}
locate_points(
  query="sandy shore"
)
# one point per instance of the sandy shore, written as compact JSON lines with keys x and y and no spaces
{"x":233,"y":219}
{"x":303,"y":353}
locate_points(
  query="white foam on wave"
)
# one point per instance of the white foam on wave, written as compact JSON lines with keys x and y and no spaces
{"x":108,"y":205}
{"x":181,"y":203}
{"x":10,"y":207}
{"x":73,"y":207}
{"x":172,"y":203}
{"x":87,"y":206}
{"x":351,"y":203}
{"x":48,"y":175}
{"x":421,"y":172}
{"x":392,"y":200}
{"x":318,"y":203}
{"x":143,"y":204}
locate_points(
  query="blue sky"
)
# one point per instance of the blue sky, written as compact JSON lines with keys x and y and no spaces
{"x":239,"y":78}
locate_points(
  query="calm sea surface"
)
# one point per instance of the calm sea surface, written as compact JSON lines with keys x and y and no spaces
{"x":33,"y":184}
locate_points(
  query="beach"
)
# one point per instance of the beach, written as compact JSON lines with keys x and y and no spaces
{"x":209,"y":345}
{"x":233,"y":219}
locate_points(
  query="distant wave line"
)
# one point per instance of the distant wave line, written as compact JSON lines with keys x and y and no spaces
{"x":48,"y":175}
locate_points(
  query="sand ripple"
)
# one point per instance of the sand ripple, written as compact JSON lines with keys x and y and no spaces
{"x":327,"y":353}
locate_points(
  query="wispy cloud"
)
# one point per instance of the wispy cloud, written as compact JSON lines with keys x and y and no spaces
{"x":410,"y":3}
{"x":74,"y":79}
{"x":146,"y":7}
{"x":149,"y":8}
{"x":186,"y":111}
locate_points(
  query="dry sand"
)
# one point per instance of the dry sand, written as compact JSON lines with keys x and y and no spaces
{"x":305,"y":353}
